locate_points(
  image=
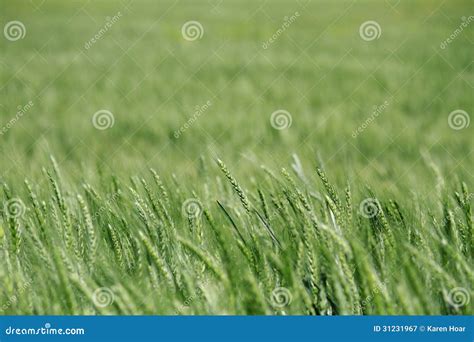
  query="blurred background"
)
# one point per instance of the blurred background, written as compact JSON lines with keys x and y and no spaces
{"x":374,"y":91}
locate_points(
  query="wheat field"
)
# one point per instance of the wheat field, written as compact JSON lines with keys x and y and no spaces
{"x":236,"y":157}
